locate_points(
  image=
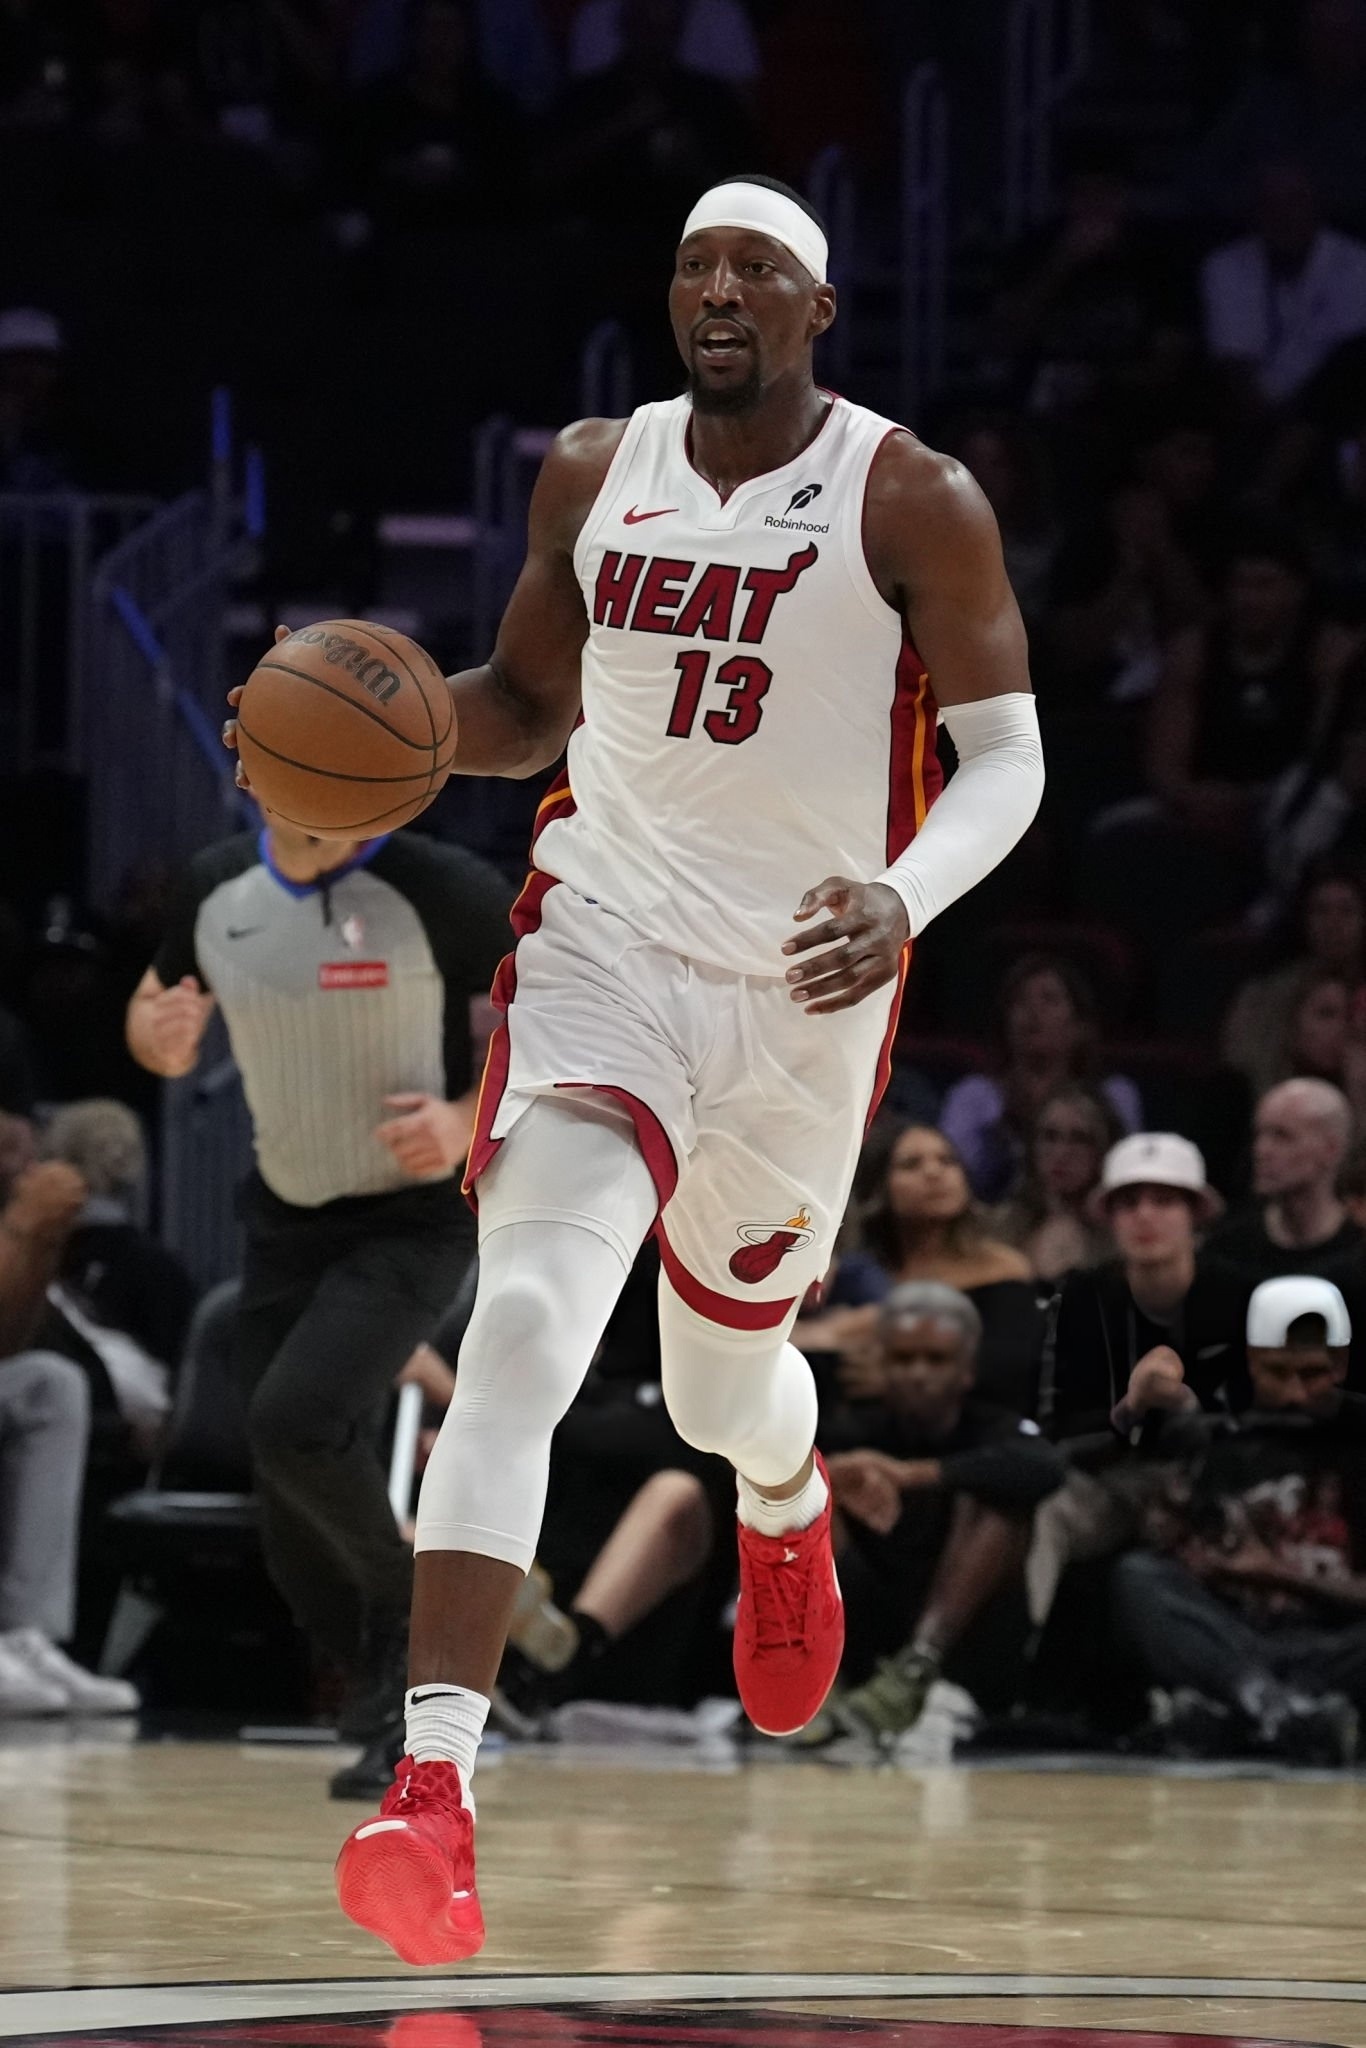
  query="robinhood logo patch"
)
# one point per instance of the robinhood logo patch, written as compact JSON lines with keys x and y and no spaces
{"x":806,"y":495}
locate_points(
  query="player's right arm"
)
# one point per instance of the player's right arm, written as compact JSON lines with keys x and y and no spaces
{"x":517,"y":710}
{"x":164,"y":1026}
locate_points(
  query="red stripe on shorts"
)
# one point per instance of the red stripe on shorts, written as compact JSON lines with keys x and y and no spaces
{"x":718,"y":1308}
{"x":525,"y":917}
{"x":651,"y":1136}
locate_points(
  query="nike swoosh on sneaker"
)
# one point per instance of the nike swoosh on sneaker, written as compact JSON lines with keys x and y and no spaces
{"x":245,"y":931}
{"x":635,"y":516}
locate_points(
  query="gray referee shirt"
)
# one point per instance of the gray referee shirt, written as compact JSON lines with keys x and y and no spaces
{"x":339,"y":992}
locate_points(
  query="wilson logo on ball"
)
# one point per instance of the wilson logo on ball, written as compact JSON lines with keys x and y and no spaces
{"x":766,"y":1246}
{"x":374,"y":677}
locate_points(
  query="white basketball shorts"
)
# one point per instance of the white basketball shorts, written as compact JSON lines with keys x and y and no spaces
{"x":749,"y":1112}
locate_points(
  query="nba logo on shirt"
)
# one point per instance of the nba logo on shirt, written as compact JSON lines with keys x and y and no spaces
{"x":353,"y":933}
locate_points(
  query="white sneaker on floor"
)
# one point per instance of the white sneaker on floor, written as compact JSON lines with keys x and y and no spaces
{"x":78,"y":1691}
{"x":23,"y":1692}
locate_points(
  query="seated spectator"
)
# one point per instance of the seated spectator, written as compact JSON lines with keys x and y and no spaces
{"x":1332,"y":942}
{"x":1301,"y":1132}
{"x":1048,"y":1038}
{"x":712,"y":38}
{"x":1325,"y":1041}
{"x":1281,"y":300}
{"x":113,"y":1271}
{"x":1159,"y":1297}
{"x":922,"y":1224}
{"x":1159,"y":1306}
{"x":438,"y":136}
{"x":1123,"y":583}
{"x":1011,"y":466}
{"x":937,"y":1491}
{"x":1087,"y":293}
{"x":640,"y":138}
{"x":1312,"y":110}
{"x":1242,"y":695}
{"x":1248,"y":1603}
{"x":1049,"y":1218}
{"x":44,"y":1427}
{"x":1317,"y":807}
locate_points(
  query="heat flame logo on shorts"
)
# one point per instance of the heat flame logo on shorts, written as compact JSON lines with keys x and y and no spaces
{"x":766,"y":1245}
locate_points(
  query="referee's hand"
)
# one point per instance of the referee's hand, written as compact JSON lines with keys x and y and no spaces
{"x":427,"y":1136}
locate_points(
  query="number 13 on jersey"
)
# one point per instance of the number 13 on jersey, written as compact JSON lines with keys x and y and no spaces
{"x":746,"y":680}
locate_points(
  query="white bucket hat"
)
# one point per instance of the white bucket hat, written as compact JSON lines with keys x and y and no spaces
{"x":1157,"y":1159}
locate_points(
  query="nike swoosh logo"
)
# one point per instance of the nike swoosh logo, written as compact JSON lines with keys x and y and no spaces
{"x":437,"y":1692}
{"x":634,"y":517}
{"x":246,"y":931}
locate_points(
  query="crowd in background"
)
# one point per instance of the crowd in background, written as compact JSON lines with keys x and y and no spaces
{"x":1131,"y":1082}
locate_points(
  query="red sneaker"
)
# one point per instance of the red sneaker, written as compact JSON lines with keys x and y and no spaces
{"x":409,"y":1875}
{"x":789,"y":1624}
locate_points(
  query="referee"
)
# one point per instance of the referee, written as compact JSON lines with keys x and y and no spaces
{"x":345,"y":973}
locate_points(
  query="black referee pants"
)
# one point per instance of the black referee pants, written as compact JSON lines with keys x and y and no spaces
{"x":333,"y":1302}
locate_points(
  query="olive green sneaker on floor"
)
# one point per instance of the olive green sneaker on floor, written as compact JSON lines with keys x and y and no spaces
{"x":884,"y":1709}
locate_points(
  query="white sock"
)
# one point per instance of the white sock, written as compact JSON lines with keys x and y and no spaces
{"x":781,"y":1517}
{"x":445,"y":1724}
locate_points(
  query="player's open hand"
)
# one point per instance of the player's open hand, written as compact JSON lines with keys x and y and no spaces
{"x":229,"y":732}
{"x":863,"y":940}
{"x":427,"y":1135}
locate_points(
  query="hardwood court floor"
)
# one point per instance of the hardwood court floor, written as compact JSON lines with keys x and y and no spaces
{"x":146,"y":1864}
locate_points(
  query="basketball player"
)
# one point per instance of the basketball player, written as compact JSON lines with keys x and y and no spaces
{"x":743,"y":609}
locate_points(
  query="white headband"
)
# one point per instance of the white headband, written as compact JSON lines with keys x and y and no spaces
{"x":767,"y":213}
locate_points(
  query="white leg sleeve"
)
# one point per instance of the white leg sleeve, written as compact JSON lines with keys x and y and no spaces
{"x":562,"y":1212}
{"x":747,"y":1394}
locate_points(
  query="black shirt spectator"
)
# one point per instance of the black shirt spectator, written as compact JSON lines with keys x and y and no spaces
{"x":938,"y":1490}
{"x":1251,"y":1596}
{"x":1160,"y":1295}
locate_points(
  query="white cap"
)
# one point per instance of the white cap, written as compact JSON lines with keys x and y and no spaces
{"x":1276,"y":1304}
{"x":742,"y":205}
{"x":1159,"y":1159}
{"x":27,"y":330}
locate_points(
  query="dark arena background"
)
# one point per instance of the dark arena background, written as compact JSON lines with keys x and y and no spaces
{"x":294,"y":296}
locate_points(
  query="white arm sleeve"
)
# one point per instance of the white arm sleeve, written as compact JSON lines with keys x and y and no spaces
{"x":986,"y":807}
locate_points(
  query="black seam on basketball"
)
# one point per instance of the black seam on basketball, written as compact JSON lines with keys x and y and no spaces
{"x":418,"y":746}
{"x":412,"y":809}
{"x":386,"y":636}
{"x":328,"y":774}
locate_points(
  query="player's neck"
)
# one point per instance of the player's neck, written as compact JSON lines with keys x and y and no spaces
{"x":730,"y":448}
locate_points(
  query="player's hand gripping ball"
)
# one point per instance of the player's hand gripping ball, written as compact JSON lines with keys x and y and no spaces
{"x":345,"y":729}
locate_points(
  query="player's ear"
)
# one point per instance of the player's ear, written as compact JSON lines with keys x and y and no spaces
{"x":823,"y":309}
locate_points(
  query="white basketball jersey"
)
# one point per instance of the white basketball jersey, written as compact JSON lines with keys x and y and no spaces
{"x":754,"y":718}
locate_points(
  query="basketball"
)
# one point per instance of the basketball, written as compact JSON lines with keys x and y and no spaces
{"x":346,"y":729}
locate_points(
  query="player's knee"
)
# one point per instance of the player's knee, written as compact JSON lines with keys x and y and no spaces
{"x":513,"y":1361}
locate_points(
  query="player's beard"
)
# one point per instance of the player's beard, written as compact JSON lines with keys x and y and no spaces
{"x":733,"y":398}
